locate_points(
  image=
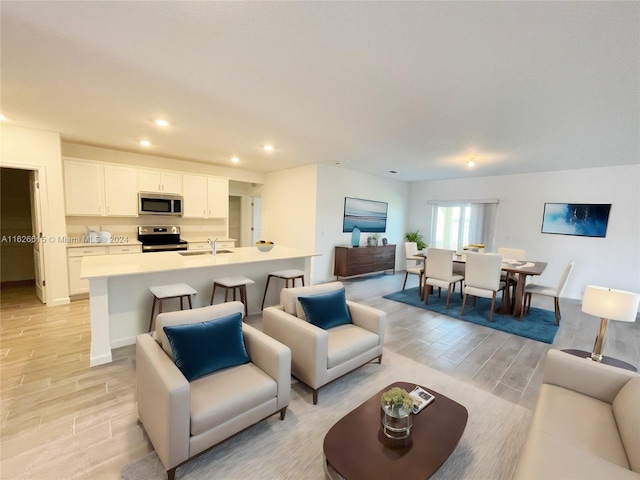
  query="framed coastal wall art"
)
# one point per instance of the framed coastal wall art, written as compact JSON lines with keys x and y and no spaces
{"x":581,"y":219}
{"x":367,"y":215}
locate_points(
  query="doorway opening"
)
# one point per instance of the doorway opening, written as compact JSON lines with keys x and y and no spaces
{"x":21,"y":255}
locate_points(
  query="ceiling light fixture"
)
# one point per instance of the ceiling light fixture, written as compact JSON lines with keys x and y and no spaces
{"x":235,"y":159}
{"x":2,"y":118}
{"x":471,"y":163}
{"x":162,"y":123}
{"x":145,"y":143}
{"x":268,"y":148}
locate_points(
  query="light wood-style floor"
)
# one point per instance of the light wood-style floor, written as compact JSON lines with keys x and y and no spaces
{"x":63,"y":420}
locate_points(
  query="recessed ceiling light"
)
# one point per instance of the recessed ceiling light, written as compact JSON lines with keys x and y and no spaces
{"x":162,"y":123}
{"x":235,"y":159}
{"x":145,"y":143}
{"x":2,"y":118}
{"x":268,"y":148}
{"x":471,"y":164}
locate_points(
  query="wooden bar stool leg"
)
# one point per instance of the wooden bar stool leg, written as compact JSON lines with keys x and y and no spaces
{"x":265,"y":291}
{"x":213,"y":294}
{"x":190,"y":306}
{"x":153,"y":307}
{"x":243,"y":298}
{"x":226,"y":294}
{"x":181,"y":304}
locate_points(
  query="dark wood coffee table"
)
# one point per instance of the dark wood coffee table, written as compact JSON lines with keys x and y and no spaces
{"x":355,"y":447}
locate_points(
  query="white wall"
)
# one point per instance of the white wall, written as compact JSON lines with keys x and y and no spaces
{"x":303,"y":207}
{"x":612,"y":262}
{"x":39,"y":150}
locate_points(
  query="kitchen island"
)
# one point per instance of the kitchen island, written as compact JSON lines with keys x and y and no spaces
{"x":120,"y":300}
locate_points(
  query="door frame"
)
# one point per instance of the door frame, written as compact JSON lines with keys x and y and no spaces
{"x":40,"y":174}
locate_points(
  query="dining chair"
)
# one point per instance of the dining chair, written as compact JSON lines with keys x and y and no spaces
{"x":438,"y":272}
{"x":482,"y":278}
{"x":414,"y":266}
{"x":511,"y":254}
{"x":554,"y":292}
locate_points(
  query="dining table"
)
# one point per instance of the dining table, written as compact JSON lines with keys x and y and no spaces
{"x":519,"y":270}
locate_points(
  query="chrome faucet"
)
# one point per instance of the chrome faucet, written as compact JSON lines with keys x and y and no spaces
{"x":214,"y":245}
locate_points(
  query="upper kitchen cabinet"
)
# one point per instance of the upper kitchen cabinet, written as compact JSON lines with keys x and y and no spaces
{"x":121,"y":191}
{"x":83,"y":187}
{"x":100,"y":189}
{"x":195,"y":196}
{"x":217,"y":197}
{"x":205,"y":197}
{"x":159,"y":181}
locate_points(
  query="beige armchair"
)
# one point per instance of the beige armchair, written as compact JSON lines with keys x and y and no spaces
{"x":319,"y":356}
{"x":182,"y":418}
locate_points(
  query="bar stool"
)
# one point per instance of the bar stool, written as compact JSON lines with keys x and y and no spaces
{"x":286,"y":275}
{"x":235,"y":282}
{"x":165,"y":292}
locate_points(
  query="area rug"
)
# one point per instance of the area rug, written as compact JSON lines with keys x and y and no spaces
{"x":292,"y":449}
{"x":538,"y":324}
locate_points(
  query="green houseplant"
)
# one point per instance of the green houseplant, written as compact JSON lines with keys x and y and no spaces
{"x":395,"y":414}
{"x":416,"y":237}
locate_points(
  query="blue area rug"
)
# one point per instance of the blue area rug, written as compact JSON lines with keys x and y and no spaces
{"x":538,"y":324}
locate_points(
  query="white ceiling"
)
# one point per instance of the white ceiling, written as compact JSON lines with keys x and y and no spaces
{"x":416,"y":87}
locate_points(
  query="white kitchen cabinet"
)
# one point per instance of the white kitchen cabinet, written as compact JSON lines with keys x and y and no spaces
{"x":83,"y":187}
{"x":159,"y":181}
{"x":195,"y":203}
{"x":75,"y":255}
{"x":217,"y":197}
{"x":121,"y":191}
{"x":78,"y":285}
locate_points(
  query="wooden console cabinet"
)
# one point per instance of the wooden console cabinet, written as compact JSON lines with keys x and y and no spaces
{"x":350,"y":261}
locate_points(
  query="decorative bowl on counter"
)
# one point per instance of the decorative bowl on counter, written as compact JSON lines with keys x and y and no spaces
{"x":264,"y":246}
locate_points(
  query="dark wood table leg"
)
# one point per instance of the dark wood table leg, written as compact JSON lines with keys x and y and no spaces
{"x":518,"y":300}
{"x":505,"y":306}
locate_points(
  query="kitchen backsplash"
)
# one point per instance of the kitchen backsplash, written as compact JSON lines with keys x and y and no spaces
{"x":77,"y":226}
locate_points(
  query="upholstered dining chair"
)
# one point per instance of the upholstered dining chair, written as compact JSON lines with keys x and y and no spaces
{"x":509,"y":255}
{"x":413,"y":266}
{"x":438,"y":272}
{"x":554,"y":292}
{"x":482,"y":278}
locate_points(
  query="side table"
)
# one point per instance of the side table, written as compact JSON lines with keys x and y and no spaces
{"x":606,"y":360}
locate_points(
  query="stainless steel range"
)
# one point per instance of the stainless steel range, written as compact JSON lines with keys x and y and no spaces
{"x":161,"y":238}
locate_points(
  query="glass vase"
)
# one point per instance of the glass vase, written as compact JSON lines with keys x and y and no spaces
{"x":396,"y":422}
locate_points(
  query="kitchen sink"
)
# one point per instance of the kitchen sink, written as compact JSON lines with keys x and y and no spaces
{"x":198,"y":252}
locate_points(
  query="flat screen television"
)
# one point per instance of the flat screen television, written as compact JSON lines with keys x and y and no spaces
{"x":581,"y":219}
{"x":367,"y":215}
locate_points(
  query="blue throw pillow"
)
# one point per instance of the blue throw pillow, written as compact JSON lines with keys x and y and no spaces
{"x":326,"y":310}
{"x":205,"y":347}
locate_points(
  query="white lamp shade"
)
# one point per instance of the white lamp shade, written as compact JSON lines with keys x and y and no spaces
{"x":611,"y":304}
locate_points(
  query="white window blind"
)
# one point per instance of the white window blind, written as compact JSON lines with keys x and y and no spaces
{"x":455,"y":224}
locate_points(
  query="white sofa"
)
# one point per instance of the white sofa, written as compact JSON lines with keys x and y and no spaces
{"x":320,"y":356}
{"x":586,"y":423}
{"x":185,"y":418}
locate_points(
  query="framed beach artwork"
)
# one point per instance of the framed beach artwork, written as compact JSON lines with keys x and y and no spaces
{"x":367,"y":215}
{"x":581,"y":219}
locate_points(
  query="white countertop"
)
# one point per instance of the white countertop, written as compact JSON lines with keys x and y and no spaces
{"x":138,"y":263}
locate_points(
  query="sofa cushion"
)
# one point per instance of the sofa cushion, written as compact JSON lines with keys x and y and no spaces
{"x":579,"y":420}
{"x":326,"y":310}
{"x":205,"y":347}
{"x":626,"y":409}
{"x":347,"y":342}
{"x":544,"y":456}
{"x":228,"y":393}
{"x":289,"y":296}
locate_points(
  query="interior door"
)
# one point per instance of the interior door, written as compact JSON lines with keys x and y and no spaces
{"x":36,"y":225}
{"x":256,"y":219}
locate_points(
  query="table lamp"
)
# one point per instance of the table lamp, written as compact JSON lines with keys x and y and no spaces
{"x":608,"y":304}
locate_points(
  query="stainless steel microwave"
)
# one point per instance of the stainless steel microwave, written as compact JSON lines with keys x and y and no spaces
{"x":150,"y":203}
